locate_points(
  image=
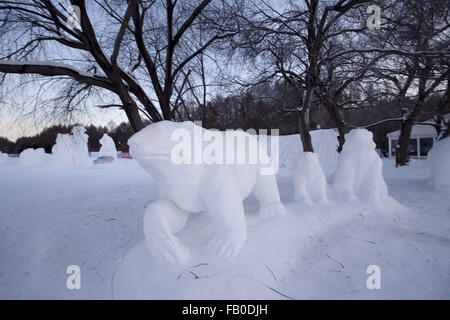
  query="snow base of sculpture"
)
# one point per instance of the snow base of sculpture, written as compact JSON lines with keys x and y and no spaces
{"x":273,"y":242}
{"x":275,"y":250}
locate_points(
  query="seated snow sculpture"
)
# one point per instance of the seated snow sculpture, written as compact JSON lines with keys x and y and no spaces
{"x":218,"y":189}
{"x":108,"y":148}
{"x":310,"y":184}
{"x":359,"y":169}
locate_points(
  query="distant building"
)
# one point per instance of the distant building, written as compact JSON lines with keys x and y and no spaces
{"x":421,"y":140}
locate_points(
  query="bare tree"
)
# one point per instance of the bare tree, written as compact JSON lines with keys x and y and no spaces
{"x":416,"y":36}
{"x":293,"y":45}
{"x":123,"y":47}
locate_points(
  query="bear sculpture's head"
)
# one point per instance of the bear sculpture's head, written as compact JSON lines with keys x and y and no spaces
{"x":152,"y":146}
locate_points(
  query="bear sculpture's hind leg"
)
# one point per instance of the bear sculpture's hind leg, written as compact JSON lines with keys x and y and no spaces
{"x":266,"y":191}
{"x":162,"y":220}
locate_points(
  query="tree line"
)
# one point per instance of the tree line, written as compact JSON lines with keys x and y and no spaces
{"x":250,"y":109}
{"x":47,"y":138}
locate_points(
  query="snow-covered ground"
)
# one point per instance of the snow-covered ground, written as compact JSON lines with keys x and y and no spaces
{"x":52,"y":217}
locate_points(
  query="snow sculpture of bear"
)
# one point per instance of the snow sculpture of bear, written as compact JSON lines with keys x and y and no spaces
{"x":310,"y":183}
{"x":359,"y":170}
{"x":108,"y":148}
{"x":216,"y":189}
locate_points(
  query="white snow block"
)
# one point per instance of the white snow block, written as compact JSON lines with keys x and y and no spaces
{"x":29,"y":157}
{"x":108,"y":148}
{"x":439,"y":165}
{"x":359,"y":169}
{"x":310,"y":184}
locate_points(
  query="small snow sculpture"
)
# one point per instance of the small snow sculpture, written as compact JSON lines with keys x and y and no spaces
{"x":310,"y":184}
{"x":439,"y":165}
{"x":30,"y":156}
{"x":72,"y":149}
{"x":325,"y":144}
{"x":80,"y":146}
{"x":217,"y":189}
{"x":108,"y":148}
{"x":359,"y":169}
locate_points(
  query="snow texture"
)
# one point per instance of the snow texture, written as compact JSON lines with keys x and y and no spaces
{"x":72,"y":149}
{"x":30,"y":157}
{"x":310,"y":184}
{"x":108,"y":148}
{"x":439,"y":165}
{"x":359,"y":169}
{"x":217,"y":189}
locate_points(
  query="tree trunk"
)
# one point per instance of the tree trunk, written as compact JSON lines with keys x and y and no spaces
{"x":340,"y":124}
{"x":343,"y":130}
{"x":303,"y":127}
{"x":133,"y":116}
{"x":165,"y":107}
{"x":129,"y":105}
{"x":402,"y":151}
